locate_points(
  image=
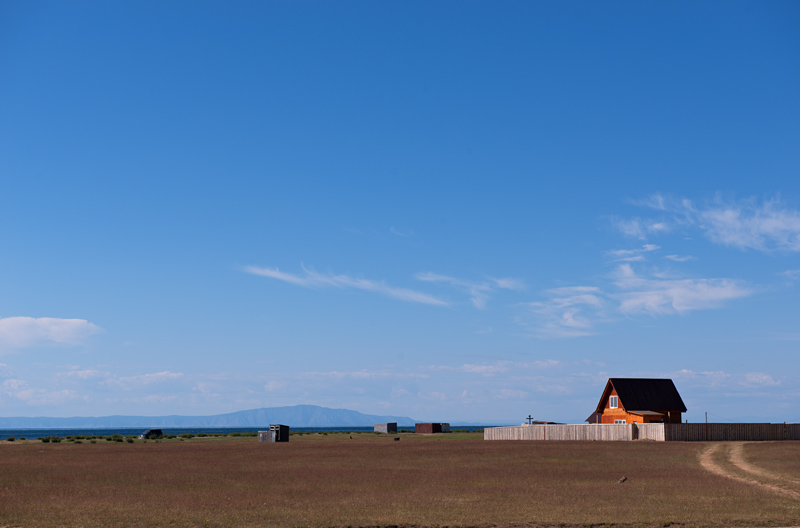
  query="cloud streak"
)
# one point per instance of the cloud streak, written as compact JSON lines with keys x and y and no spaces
{"x":569,"y":312}
{"x":23,"y":332}
{"x":766,"y":225}
{"x":576,"y":311}
{"x":658,"y":296}
{"x":632,"y":255}
{"x":479,"y":292}
{"x":133,"y":382}
{"x":19,"y":390}
{"x":314,"y":279}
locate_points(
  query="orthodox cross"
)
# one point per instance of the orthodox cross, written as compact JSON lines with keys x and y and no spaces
{"x":530,"y":419}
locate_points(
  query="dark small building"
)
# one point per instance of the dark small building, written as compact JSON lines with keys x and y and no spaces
{"x":276,"y":433}
{"x":151,"y":434}
{"x":430,"y":428}
{"x":390,"y":427}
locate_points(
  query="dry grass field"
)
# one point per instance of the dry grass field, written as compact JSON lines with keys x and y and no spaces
{"x":372,"y":480}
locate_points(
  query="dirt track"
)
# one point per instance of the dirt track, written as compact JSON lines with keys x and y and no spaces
{"x":748,"y":473}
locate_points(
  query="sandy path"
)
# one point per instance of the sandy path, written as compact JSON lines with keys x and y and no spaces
{"x":736,"y":457}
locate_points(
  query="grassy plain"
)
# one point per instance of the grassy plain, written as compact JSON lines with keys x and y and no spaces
{"x":373,"y":480}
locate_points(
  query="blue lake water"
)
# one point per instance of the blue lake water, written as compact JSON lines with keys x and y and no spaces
{"x":36,"y":433}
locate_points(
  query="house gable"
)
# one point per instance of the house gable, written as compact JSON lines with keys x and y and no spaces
{"x":641,"y":400}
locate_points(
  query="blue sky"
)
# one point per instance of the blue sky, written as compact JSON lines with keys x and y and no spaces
{"x":453,"y":211}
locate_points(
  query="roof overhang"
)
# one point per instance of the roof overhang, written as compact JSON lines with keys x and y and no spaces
{"x":646,"y":413}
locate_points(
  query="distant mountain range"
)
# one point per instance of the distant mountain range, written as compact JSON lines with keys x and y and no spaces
{"x":294,"y":416}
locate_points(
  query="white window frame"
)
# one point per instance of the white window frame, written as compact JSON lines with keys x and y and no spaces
{"x":613,"y":402}
{"x":618,"y":422}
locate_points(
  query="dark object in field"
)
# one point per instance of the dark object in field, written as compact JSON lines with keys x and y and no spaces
{"x":276,"y":433}
{"x":351,"y":438}
{"x":397,"y":439}
{"x":623,"y":479}
{"x":151,"y":434}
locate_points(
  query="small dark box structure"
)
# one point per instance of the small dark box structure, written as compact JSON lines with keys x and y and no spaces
{"x":276,"y":433}
{"x":430,"y":428}
{"x":151,"y":434}
{"x":390,"y":427}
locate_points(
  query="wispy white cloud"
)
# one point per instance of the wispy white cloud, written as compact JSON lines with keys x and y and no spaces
{"x":679,"y":258}
{"x":658,"y":295}
{"x":132,"y":382}
{"x":632,"y":255}
{"x":791,"y":274}
{"x":86,"y":374}
{"x":485,"y":370}
{"x":22,"y":332}
{"x":363,"y":374}
{"x":14,"y":384}
{"x":314,"y":279}
{"x":576,"y":311}
{"x":401,"y":232}
{"x":275,"y":273}
{"x":714,"y":378}
{"x":511,"y":394}
{"x":509,"y":284}
{"x":19,"y":389}
{"x":569,"y":312}
{"x":152,"y":399}
{"x":662,"y":296}
{"x":762,"y":225}
{"x":631,"y":228}
{"x":479,"y":292}
{"x":499,"y":367}
{"x":759,"y":379}
{"x":725,"y":380}
{"x":749,"y":225}
{"x":639,"y":228}
{"x":274,"y":386}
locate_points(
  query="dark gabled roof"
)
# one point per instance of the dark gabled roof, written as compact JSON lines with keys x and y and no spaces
{"x":650,"y":394}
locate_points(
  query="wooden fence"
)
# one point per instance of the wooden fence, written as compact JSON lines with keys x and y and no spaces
{"x":653,"y":431}
{"x":718,"y":432}
{"x":560,"y":432}
{"x":695,"y":432}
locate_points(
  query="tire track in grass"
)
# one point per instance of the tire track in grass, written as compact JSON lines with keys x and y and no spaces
{"x":735,"y":456}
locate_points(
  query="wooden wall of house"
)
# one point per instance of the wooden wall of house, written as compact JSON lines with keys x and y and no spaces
{"x":610,"y":414}
{"x":671,"y":416}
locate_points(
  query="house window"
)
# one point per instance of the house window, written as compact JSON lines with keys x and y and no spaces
{"x":613,"y":402}
{"x":620,"y":422}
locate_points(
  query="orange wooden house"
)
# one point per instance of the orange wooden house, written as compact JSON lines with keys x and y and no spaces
{"x":639,"y":400}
